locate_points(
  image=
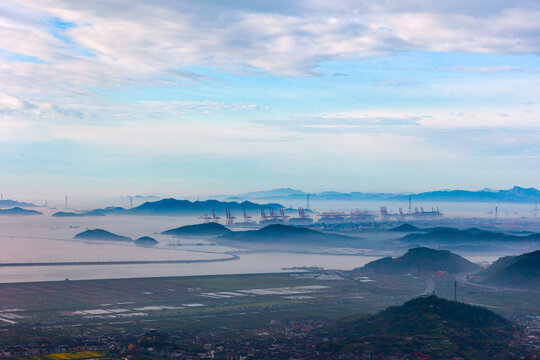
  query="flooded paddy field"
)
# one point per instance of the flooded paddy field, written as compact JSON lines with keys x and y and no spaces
{"x":73,"y":308}
{"x":227,"y":304}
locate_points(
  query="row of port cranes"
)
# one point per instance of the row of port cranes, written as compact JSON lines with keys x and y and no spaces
{"x":277,"y":216}
{"x":273,"y":217}
{"x":410,"y":215}
{"x":268,"y":217}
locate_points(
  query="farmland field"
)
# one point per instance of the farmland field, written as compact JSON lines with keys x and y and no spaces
{"x":230,"y":304}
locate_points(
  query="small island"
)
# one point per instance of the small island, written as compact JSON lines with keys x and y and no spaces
{"x":74,"y":214}
{"x":18,"y":211}
{"x":278,"y":233}
{"x":210,"y":229}
{"x":100,"y":234}
{"x":146,"y":241}
{"x":66,"y":214}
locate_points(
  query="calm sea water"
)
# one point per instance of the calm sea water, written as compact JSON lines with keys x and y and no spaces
{"x":247,"y":264}
{"x":49,"y":239}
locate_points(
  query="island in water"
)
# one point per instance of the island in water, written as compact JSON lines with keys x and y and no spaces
{"x":210,"y":229}
{"x":100,"y":234}
{"x":146,"y":241}
{"x":18,"y":211}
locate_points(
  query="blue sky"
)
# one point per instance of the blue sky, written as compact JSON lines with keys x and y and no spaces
{"x":113,"y":98}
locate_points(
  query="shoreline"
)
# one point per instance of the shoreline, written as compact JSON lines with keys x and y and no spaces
{"x":134,"y":262}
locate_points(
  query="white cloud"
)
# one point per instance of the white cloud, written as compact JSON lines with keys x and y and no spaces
{"x":129,"y":44}
{"x":135,"y":37}
{"x":490,"y":69}
{"x":136,"y":43}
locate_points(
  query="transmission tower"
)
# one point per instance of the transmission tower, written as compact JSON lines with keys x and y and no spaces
{"x":535,"y":210}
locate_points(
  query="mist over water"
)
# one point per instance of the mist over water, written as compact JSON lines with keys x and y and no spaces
{"x":47,"y":239}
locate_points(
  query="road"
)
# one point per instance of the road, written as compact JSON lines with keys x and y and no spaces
{"x":430,"y":287}
{"x":462,"y":279}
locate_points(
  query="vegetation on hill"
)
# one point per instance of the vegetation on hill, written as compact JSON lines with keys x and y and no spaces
{"x":422,"y":259}
{"x":100,"y":234}
{"x":210,"y":229}
{"x":429,"y":325}
{"x":521,"y":271}
{"x":146,"y":241}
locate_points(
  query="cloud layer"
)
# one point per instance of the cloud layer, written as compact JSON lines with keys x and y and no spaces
{"x":235,"y":77}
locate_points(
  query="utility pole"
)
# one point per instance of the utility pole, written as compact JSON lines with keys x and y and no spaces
{"x":455,"y":290}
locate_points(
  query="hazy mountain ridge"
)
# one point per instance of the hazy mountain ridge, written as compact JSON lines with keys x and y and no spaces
{"x":522,"y":271}
{"x":75,"y":214}
{"x":452,"y":235}
{"x":18,"y":211}
{"x":422,"y":259}
{"x":406,"y":228}
{"x":516,"y":194}
{"x":172,"y":206}
{"x":12,"y":203}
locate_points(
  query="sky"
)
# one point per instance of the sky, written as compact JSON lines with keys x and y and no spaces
{"x":192,"y":98}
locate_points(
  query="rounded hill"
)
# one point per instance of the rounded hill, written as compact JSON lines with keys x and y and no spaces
{"x":146,"y":241}
{"x":210,"y":229}
{"x":439,"y":328}
{"x":100,"y":234}
{"x":422,"y":259}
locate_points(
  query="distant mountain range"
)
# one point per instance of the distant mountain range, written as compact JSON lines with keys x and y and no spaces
{"x":13,"y":203}
{"x":514,"y":195}
{"x":185,"y":207}
{"x":17,"y":211}
{"x":422,"y":259}
{"x":521,"y":271}
{"x":425,"y":325}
